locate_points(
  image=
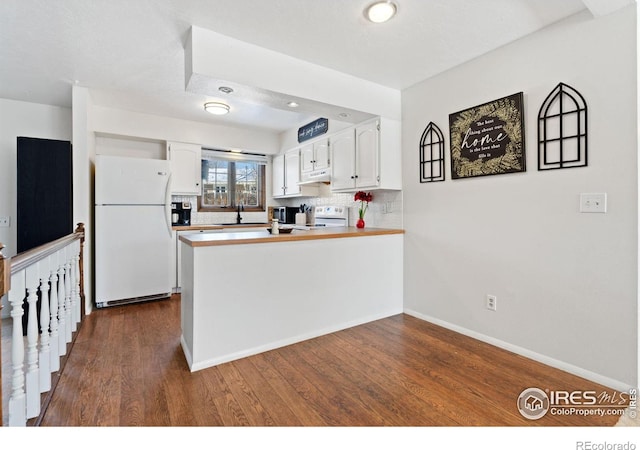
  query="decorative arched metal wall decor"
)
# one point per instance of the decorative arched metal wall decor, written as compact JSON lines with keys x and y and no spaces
{"x":431,"y":154}
{"x":562,"y":129}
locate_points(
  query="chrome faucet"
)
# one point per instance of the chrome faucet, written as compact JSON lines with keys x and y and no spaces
{"x":239,"y":217}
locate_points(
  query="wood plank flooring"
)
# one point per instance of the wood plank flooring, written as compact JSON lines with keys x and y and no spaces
{"x":127,"y":369}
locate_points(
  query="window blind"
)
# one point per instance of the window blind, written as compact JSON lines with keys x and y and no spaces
{"x":228,"y":155}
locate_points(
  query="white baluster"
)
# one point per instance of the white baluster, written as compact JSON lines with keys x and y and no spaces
{"x":17,"y":400}
{"x":53,"y":278}
{"x":73,"y":288}
{"x":44,"y":361}
{"x":67,"y":294}
{"x":32,"y":380}
{"x":62,"y":324}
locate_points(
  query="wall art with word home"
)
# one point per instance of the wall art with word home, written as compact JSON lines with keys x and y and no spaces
{"x":488,"y":139}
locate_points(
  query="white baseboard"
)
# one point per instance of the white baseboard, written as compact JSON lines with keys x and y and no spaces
{"x":570,"y":368}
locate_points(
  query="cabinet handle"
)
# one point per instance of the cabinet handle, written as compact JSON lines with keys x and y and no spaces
{"x":352,"y":177}
{"x":356,"y":176}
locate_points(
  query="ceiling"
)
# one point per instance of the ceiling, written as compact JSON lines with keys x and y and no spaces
{"x":130,"y":53}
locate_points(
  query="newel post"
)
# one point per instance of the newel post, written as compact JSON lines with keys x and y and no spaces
{"x":80,"y":229}
{"x":5,"y":277}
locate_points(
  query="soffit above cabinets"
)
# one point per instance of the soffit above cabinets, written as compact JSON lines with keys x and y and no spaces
{"x":131,"y":55}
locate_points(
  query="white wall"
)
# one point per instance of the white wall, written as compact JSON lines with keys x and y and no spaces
{"x":126,"y":133}
{"x":566,"y":282}
{"x":289,"y":138}
{"x":31,"y":120}
{"x":117,"y":122}
{"x":213,"y":56}
{"x":83,"y":169}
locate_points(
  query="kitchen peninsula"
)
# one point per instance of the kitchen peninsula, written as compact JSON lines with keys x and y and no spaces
{"x":249,"y":292}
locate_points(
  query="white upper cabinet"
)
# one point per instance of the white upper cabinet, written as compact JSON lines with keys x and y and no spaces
{"x":286,"y":175}
{"x":314,"y":156}
{"x":277,"y":176}
{"x":292,"y":172}
{"x":185,"y":168}
{"x":306,"y":158}
{"x":343,"y":146}
{"x":367,"y":156}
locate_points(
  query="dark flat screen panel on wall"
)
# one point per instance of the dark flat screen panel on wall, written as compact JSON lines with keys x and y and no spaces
{"x":44,"y":191}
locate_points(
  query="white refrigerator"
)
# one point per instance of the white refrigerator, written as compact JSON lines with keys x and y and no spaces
{"x":133,"y":235}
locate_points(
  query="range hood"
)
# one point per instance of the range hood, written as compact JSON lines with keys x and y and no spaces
{"x":316,"y":176}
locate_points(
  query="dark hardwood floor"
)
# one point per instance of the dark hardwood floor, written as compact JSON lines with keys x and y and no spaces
{"x":127,"y":369}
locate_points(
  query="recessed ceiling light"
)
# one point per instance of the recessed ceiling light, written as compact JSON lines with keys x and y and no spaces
{"x":216,"y":108}
{"x":225,"y":89}
{"x":292,"y":105}
{"x":343,"y":115}
{"x":380,"y":11}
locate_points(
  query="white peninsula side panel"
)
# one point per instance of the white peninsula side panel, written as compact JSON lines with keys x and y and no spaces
{"x":244,"y":299}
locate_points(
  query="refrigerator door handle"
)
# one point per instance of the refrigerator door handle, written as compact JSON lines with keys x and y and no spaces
{"x":167,"y":204}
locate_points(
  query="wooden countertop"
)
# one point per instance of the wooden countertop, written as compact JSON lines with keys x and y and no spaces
{"x":256,"y":237}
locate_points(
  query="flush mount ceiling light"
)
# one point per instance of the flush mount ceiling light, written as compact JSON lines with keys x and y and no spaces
{"x":380,"y":11}
{"x":217,"y":108}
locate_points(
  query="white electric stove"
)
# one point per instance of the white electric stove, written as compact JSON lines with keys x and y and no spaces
{"x":331,"y":216}
{"x":327,"y":216}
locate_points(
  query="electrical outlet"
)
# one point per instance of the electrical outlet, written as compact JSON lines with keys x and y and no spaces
{"x":492,"y":302}
{"x":5,"y":221}
{"x":593,"y":203}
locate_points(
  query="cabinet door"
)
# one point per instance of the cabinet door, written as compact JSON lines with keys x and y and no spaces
{"x":292,"y":172}
{"x":321,"y":154}
{"x":278,"y":176}
{"x":185,"y":168}
{"x":343,"y":160}
{"x":306,"y":158}
{"x":367,"y":155}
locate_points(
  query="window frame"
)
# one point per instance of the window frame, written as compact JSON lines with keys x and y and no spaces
{"x":232,"y":206}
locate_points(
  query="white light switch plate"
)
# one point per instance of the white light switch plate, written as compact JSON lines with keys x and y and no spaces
{"x":5,"y":222}
{"x":593,"y":203}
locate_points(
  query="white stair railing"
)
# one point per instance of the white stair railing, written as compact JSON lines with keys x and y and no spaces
{"x":53,"y":272}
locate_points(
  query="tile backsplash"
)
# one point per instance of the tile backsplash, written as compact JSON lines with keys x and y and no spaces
{"x":207,"y":218}
{"x":385,"y":210}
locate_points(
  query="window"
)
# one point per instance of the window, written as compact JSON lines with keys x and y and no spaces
{"x":431,"y":154}
{"x":232,"y":179}
{"x":562,"y":129}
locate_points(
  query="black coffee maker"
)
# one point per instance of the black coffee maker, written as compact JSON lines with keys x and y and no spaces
{"x":181,"y":213}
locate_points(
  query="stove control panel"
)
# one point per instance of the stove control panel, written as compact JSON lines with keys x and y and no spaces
{"x":331,"y":211}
